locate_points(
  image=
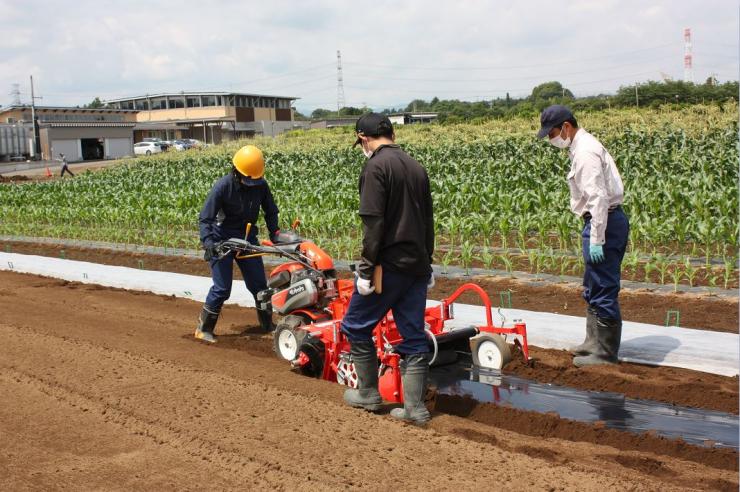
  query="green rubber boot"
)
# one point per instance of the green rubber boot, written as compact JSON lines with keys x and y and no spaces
{"x":415,"y":376}
{"x":590,"y":344}
{"x":206,"y":325}
{"x":609,"y":336}
{"x":366,"y":395}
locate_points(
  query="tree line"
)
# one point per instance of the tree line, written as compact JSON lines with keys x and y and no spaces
{"x":646,"y":94}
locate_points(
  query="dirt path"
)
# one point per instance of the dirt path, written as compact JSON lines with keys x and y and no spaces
{"x":697,"y":311}
{"x":104,"y":388}
{"x":39,"y":173}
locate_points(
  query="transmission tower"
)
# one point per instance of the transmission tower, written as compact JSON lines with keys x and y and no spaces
{"x":16,"y":93}
{"x":340,"y":83}
{"x":688,"y":65}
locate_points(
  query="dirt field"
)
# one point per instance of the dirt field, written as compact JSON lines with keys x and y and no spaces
{"x":103,"y":388}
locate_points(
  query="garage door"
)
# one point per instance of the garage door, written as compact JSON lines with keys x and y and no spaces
{"x":118,"y":147}
{"x":70,"y":149}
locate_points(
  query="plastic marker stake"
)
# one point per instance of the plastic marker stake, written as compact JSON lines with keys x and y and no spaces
{"x":675,"y":314}
{"x":505,"y":297}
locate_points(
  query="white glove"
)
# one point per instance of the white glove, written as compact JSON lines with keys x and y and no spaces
{"x":430,"y":283}
{"x":364,"y":287}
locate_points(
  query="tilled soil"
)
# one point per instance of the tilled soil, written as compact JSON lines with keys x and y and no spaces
{"x":696,"y":311}
{"x":103,"y":388}
{"x":671,"y":385}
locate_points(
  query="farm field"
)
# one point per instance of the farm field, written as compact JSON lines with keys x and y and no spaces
{"x":118,"y":374}
{"x":501,"y":200}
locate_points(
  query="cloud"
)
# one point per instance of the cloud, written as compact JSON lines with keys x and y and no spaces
{"x":392,"y":52}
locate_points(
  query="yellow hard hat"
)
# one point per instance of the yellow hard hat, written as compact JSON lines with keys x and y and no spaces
{"x":249,"y":162}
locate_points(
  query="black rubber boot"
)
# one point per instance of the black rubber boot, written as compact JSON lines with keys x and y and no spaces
{"x":590,"y":344}
{"x":365,"y":360}
{"x":265,"y":319}
{"x":415,"y":376}
{"x":609,"y":337}
{"x":206,"y":325}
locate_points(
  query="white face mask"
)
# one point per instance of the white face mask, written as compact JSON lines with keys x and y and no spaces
{"x":559,"y":142}
{"x":367,"y":152}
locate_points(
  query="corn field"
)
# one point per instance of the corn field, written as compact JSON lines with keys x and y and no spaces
{"x":500,"y":195}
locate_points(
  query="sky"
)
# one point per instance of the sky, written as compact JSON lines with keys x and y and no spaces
{"x":392,"y":51}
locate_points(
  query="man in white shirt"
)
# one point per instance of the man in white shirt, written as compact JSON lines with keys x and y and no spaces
{"x":596,"y":195}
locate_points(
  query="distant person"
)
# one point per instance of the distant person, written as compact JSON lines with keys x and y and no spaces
{"x":234,"y":201}
{"x":65,"y":167}
{"x":596,"y":195}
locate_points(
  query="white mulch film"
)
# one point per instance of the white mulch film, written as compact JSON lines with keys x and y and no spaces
{"x":699,"y":350}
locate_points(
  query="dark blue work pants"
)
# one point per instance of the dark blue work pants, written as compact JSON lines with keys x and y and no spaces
{"x":406,"y":296}
{"x":253,"y":271}
{"x":601,"y":281}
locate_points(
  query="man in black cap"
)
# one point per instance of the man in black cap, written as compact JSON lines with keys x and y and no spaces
{"x":596,"y":195}
{"x":398,"y":227}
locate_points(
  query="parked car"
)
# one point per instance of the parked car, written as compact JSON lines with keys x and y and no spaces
{"x":163,"y":144}
{"x":180,"y":145}
{"x":147,"y":148}
{"x":194,"y":143}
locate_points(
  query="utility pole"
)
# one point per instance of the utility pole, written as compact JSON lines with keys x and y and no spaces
{"x":637,"y":97}
{"x":36,"y":149}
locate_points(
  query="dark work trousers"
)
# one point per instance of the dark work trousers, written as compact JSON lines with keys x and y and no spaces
{"x":66,"y":169}
{"x":253,"y":271}
{"x":601,"y":281}
{"x":406,"y":295}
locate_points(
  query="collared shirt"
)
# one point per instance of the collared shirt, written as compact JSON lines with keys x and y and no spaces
{"x":595,"y":183}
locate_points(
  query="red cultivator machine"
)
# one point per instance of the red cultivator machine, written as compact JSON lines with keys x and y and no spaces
{"x":312,"y":301}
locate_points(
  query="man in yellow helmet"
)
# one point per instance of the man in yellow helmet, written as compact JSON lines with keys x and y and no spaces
{"x":234,"y":201}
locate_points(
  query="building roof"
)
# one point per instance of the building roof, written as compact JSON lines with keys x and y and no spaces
{"x":196,"y":93}
{"x":67,"y":108}
{"x":416,"y":114}
{"x":156,"y":125}
{"x":88,"y":124}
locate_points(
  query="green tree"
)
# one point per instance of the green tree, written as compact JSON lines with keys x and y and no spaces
{"x":351,"y":111}
{"x":320,"y":113}
{"x":95,"y":104}
{"x":550,"y":90}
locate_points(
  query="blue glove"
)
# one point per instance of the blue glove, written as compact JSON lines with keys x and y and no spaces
{"x":596,"y":251}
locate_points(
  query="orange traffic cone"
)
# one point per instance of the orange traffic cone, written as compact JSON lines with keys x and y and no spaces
{"x":48,"y":172}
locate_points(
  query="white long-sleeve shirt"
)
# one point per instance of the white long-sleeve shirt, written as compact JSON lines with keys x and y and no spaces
{"x":595,"y":183}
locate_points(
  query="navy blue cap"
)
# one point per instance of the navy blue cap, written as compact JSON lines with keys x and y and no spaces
{"x":373,"y":125}
{"x":551,"y":117}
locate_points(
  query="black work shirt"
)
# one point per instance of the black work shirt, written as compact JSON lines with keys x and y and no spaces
{"x":231,"y":205}
{"x":396,"y":211}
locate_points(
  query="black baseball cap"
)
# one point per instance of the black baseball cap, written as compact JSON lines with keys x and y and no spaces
{"x":551,"y":117}
{"x":373,"y":125}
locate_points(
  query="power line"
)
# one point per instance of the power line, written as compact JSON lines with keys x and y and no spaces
{"x":511,"y":67}
{"x":489,"y":91}
{"x":526,"y":77}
